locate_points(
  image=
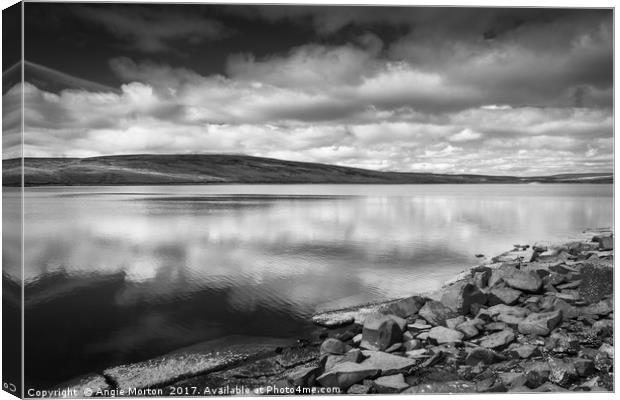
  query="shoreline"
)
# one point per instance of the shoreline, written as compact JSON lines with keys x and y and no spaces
{"x":507,"y":324}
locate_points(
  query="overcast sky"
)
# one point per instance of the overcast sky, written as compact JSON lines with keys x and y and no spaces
{"x":449,"y":90}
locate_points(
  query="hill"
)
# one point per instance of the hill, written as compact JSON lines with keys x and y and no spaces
{"x":168,"y":169}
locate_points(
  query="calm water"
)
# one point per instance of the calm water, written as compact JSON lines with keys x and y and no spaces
{"x":119,"y":274}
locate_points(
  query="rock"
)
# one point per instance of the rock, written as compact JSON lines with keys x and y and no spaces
{"x":591,"y":384}
{"x":407,"y":336}
{"x":435,"y":313}
{"x":443,"y":387}
{"x":540,"y":323}
{"x":453,"y":322}
{"x":304,"y":377}
{"x":391,"y":384}
{"x":417,"y":327}
{"x":469,"y":328}
{"x":345,"y":374}
{"x":508,"y":314}
{"x":562,"y":342}
{"x":333,"y":346}
{"x":490,"y":385}
{"x":607,"y":349}
{"x":482,"y":355}
{"x":513,"y":379}
{"x":569,"y":285}
{"x":333,"y":320}
{"x":387,"y":364}
{"x":412,"y":344}
{"x":604,"y":242}
{"x":481,"y":279}
{"x":401,"y":322}
{"x":569,"y":295}
{"x":357,"y":339}
{"x":602,"y":362}
{"x":522,"y":350}
{"x":583,"y":366}
{"x":524,"y":281}
{"x":604,"y":325}
{"x":596,"y":282}
{"x":536,"y":373}
{"x":460,"y":296}
{"x":498,"y":339}
{"x":394,"y":347}
{"x":358,"y":389}
{"x":422,"y":336}
{"x":568,"y":311}
{"x":503,"y":295}
{"x":331,"y":360}
{"x":562,"y":373}
{"x":380,"y":332}
{"x":602,"y":307}
{"x":445,"y":335}
{"x":404,"y":307}
{"x":549,"y":387}
{"x":354,"y":355}
{"x":495,"y":326}
{"x":556,"y":279}
{"x":418,"y":353}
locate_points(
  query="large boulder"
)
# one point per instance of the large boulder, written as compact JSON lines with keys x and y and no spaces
{"x":540,"y":323}
{"x":435,"y":313}
{"x":503,"y":295}
{"x":498,"y":339}
{"x":380,"y":332}
{"x":387,"y":364}
{"x":440,"y":335}
{"x":346,"y":374}
{"x":460,"y":296}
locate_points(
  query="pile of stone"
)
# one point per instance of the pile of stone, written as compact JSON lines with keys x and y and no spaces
{"x":537,"y":318}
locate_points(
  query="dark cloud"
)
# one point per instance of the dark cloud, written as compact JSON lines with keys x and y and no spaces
{"x":152,"y":30}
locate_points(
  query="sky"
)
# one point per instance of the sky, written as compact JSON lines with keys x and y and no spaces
{"x":521,"y":91}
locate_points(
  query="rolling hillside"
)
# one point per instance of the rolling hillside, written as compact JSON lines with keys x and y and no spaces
{"x":149,"y":169}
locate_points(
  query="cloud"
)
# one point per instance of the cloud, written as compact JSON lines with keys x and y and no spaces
{"x":150,"y":29}
{"x":471,"y":103}
{"x":465,"y":135}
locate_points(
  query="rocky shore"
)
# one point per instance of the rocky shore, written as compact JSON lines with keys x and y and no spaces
{"x":536,"y":318}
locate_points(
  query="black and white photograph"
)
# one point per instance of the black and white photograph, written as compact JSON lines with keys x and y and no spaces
{"x":223,"y":199}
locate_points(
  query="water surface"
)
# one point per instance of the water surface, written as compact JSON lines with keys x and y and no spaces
{"x":120,"y":274}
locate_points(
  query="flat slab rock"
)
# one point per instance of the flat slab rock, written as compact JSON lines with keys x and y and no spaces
{"x":345,"y":374}
{"x":388,"y":364}
{"x":164,"y":370}
{"x":190,"y":361}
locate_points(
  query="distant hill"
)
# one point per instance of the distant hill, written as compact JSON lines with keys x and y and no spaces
{"x":149,"y":169}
